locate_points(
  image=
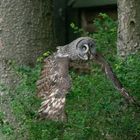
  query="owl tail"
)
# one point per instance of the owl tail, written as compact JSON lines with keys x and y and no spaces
{"x":110,"y":74}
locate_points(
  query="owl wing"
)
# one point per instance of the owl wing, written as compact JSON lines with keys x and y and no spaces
{"x":111,"y":75}
{"x":52,"y":87}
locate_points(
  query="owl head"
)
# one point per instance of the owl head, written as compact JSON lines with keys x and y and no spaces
{"x":80,"y":49}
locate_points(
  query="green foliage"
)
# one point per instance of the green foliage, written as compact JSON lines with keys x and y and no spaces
{"x":106,"y":34}
{"x":76,"y":29}
{"x":96,"y":111}
{"x":41,"y":58}
{"x":5,"y":127}
{"x":128,"y":71}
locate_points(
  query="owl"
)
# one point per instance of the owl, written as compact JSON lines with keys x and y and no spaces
{"x":54,"y":82}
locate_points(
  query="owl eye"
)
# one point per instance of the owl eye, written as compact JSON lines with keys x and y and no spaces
{"x":84,"y":48}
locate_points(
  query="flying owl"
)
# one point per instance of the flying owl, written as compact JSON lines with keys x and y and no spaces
{"x":54,"y":82}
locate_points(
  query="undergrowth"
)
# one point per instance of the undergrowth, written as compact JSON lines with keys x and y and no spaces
{"x":96,"y":111}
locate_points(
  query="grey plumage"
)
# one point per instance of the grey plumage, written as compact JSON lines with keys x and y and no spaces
{"x":54,"y":82}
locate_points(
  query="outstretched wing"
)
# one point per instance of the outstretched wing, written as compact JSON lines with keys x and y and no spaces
{"x":52,"y":87}
{"x":108,"y":70}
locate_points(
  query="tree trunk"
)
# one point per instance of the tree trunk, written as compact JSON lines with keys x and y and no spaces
{"x":26,"y":30}
{"x":128,"y":27}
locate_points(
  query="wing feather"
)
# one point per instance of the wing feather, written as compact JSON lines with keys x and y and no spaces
{"x":52,"y":87}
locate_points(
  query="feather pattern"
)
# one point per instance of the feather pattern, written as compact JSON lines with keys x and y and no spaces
{"x":52,"y":87}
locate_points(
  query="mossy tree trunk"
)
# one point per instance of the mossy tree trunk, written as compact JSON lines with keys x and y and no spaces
{"x":128,"y":27}
{"x":26,"y":31}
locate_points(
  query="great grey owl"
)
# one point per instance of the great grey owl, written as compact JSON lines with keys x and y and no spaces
{"x":54,"y":82}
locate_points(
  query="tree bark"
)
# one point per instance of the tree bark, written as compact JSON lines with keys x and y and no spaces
{"x":26,"y":31}
{"x":128,"y":27}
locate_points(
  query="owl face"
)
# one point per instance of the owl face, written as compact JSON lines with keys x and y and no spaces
{"x":85,"y":48}
{"x":80,"y":49}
